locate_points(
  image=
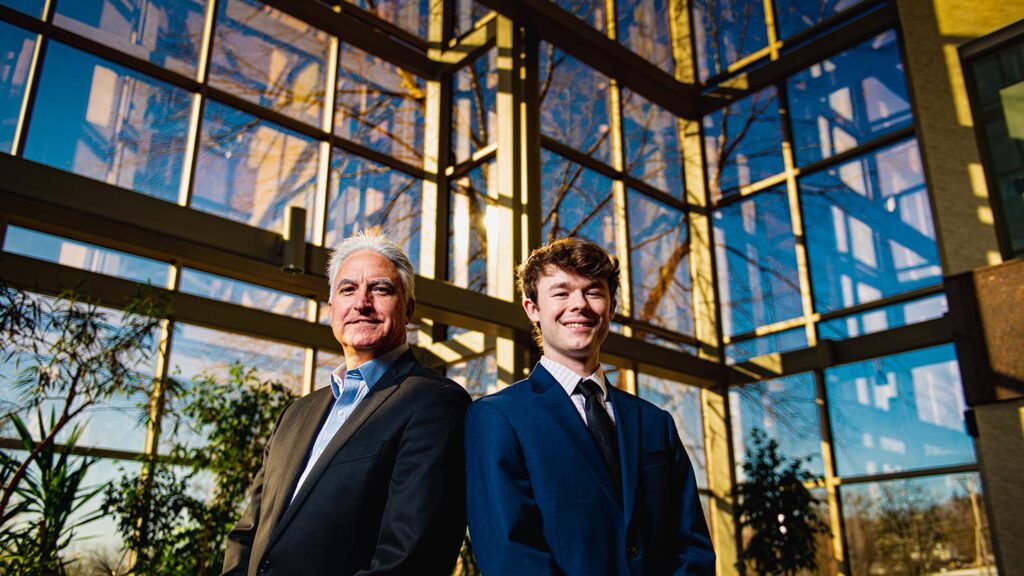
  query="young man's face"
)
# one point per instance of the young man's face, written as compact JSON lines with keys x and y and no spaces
{"x":368,"y":309}
{"x":574,"y":314}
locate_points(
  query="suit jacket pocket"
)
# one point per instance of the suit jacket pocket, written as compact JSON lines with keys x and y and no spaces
{"x":654,"y":458}
{"x":352,"y":453}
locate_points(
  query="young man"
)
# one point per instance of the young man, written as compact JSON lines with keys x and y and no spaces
{"x":364,"y":476}
{"x":567,"y":475}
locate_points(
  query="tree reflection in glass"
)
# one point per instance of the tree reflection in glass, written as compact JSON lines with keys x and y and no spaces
{"x":472,"y":213}
{"x":474,"y":106}
{"x":413,"y":16}
{"x":590,"y":11}
{"x":380,"y":105}
{"x":660,"y":261}
{"x":650,"y":136}
{"x":793,"y":16}
{"x":16,"y":48}
{"x":364,"y":195}
{"x":574,"y":103}
{"x":743,"y":143}
{"x":643,"y":27}
{"x":682,"y":401}
{"x":269,"y":58}
{"x":104,"y":121}
{"x":167,"y":33}
{"x":576,"y":201}
{"x":873,"y":235}
{"x":726,"y":32}
{"x":251,"y":170}
{"x":756,"y":262}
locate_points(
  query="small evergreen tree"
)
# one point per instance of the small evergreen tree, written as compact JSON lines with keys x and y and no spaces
{"x":777,"y":507}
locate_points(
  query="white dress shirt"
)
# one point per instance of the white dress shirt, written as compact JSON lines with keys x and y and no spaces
{"x":568,"y":380}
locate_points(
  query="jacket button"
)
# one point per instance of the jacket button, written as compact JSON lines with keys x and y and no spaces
{"x":633,"y":551}
{"x":264,"y":567}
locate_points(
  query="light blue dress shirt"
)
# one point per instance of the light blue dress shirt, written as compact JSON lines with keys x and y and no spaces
{"x":353,"y":387}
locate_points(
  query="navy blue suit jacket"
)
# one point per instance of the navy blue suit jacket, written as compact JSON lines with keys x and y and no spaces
{"x":541,"y":500}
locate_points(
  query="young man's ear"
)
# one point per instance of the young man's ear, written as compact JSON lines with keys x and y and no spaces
{"x":532,"y":312}
{"x":410,"y":307}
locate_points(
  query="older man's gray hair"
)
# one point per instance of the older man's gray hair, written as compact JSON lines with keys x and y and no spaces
{"x":381,"y":244}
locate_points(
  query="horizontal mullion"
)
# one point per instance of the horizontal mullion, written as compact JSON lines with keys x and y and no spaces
{"x":904,"y":474}
{"x":766,"y":330}
{"x":904,"y":133}
{"x":15,"y":444}
{"x":478,"y":158}
{"x":659,"y":331}
{"x":883,"y":302}
{"x":22,"y":20}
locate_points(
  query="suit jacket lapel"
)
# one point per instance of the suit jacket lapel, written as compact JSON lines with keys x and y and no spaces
{"x":627,"y":425}
{"x":563,"y":413}
{"x":381,"y":391}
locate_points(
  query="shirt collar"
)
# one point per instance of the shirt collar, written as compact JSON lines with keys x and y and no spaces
{"x":371,"y":371}
{"x":568,"y":379}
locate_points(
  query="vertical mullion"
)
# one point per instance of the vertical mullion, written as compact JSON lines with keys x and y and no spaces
{"x":531,"y":195}
{"x":828,"y":456}
{"x":198,"y":106}
{"x":319,"y":231}
{"x":32,"y":86}
{"x":773,"y":36}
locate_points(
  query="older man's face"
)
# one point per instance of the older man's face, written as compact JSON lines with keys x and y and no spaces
{"x":368,"y":309}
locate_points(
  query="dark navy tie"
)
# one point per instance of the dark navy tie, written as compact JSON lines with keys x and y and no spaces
{"x":601,"y":427}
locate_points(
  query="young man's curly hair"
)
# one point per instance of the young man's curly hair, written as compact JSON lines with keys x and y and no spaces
{"x":575,"y":255}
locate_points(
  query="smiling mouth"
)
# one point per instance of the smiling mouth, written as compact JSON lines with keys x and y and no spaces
{"x":578,"y":325}
{"x":362,"y":321}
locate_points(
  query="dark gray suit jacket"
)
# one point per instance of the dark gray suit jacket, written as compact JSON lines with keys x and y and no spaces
{"x":387,"y":496}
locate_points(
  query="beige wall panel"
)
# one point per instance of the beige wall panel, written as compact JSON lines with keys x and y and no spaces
{"x":1000,"y":446}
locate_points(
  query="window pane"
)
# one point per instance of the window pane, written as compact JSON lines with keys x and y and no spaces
{"x":196,"y":350}
{"x":848,"y":99}
{"x":682,"y":401}
{"x":250,"y":170}
{"x":901,"y":412}
{"x":574,"y":103}
{"x":785,"y":341}
{"x":930,"y":525}
{"x":30,"y":7}
{"x":590,"y":11}
{"x":364,"y":195}
{"x":16,"y":48}
{"x":743,"y":143}
{"x":660,"y":261}
{"x":651,"y":139}
{"x":756,"y":262}
{"x":474,"y":106}
{"x":643,"y":27}
{"x":410,"y":15}
{"x":785,"y":409}
{"x":576,"y":201}
{"x":326,"y":362}
{"x":85,"y":256}
{"x":467,"y":13}
{"x":479,"y":376}
{"x":870,"y":233}
{"x":884,"y":318}
{"x":242,"y":293}
{"x":101,"y":120}
{"x":380,"y":105}
{"x":97,"y":547}
{"x":797,"y":15}
{"x":269,"y":58}
{"x":472,"y":252}
{"x":727,"y":31}
{"x":165,"y":32}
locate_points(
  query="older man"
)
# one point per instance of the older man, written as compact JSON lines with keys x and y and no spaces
{"x":567,"y":475}
{"x":365,"y":476}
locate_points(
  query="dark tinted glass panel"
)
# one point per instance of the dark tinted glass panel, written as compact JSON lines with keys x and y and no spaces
{"x":16,"y":47}
{"x":794,"y":16}
{"x":576,"y":201}
{"x":165,"y":32}
{"x":727,"y":31}
{"x":848,"y":99}
{"x":410,"y":15}
{"x":998,"y":83}
{"x":660,"y":261}
{"x":269,"y":58}
{"x":650,"y":136}
{"x":473,"y":232}
{"x":901,"y":412}
{"x":884,"y":318}
{"x":251,"y":170}
{"x":643,"y":27}
{"x":683,"y":403}
{"x":785,"y":409}
{"x":930,"y":525}
{"x":365,"y":195}
{"x":870,"y":232}
{"x":101,"y":120}
{"x":474,"y":106}
{"x":574,"y":103}
{"x":30,"y":7}
{"x":743,"y":143}
{"x":380,"y":105}
{"x":590,"y":11}
{"x":756,"y":261}
{"x":779,"y":342}
{"x":242,"y":293}
{"x":85,"y":256}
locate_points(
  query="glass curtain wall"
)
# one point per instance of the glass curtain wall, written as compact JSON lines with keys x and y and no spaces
{"x":810,"y":185}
